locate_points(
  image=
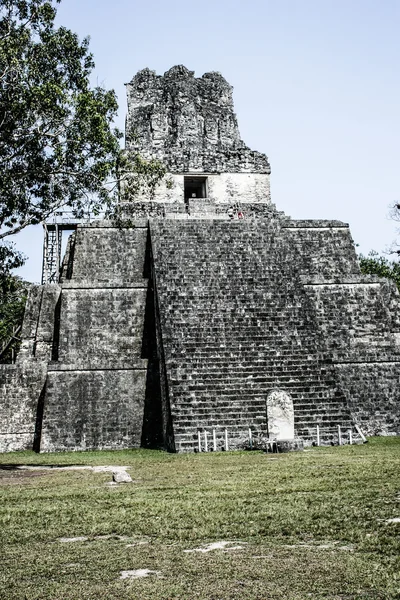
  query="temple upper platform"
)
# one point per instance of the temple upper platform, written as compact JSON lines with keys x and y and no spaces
{"x":188,"y":123}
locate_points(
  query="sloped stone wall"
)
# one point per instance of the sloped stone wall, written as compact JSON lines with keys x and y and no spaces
{"x":321,"y":249}
{"x":356,"y":318}
{"x":101,"y":327}
{"x":20,"y":389}
{"x":372,"y":390}
{"x":358,"y":321}
{"x":22,"y":385}
{"x":93,"y":409}
{"x":104,"y":256}
{"x":96,"y":385}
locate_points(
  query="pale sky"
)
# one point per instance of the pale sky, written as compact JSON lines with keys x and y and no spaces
{"x":316,"y":88}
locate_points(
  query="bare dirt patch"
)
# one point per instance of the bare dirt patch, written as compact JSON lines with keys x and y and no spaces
{"x":15,"y":476}
{"x":85,"y":538}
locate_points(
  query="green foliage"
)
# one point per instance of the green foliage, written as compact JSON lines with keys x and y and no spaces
{"x":57,"y":145}
{"x":373,"y":264}
{"x":9,"y":259}
{"x":138,"y":175}
{"x":13,"y":293}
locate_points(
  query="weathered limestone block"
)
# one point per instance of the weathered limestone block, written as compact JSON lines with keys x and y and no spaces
{"x":121,"y":477}
{"x":106,"y":256}
{"x":21,"y":386}
{"x":100,"y":409}
{"x":102,"y":327}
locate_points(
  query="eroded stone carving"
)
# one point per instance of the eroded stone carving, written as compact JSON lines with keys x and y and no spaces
{"x":280,"y":415}
{"x":188,"y":123}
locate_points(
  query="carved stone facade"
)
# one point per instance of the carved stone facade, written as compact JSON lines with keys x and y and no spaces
{"x":189,"y":125}
{"x":213,"y":312}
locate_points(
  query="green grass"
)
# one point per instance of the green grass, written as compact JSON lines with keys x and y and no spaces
{"x":311,"y":525}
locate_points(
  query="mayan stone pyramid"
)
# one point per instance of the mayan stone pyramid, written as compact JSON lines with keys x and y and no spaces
{"x":212,"y":320}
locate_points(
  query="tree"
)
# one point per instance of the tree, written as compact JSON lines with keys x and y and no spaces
{"x":13,"y":293}
{"x":373,"y":264}
{"x":57,"y":145}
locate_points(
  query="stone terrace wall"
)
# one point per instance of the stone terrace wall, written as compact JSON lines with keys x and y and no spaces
{"x":20,"y":388}
{"x":103,"y":256}
{"x":22,"y":385}
{"x":372,"y":389}
{"x":357,"y":317}
{"x":96,"y":386}
{"x":358,"y":321}
{"x":89,"y":409}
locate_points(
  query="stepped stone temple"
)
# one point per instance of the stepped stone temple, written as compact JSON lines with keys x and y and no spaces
{"x":212,"y":313}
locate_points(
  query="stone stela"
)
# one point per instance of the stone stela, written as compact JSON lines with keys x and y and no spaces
{"x":213,"y":318}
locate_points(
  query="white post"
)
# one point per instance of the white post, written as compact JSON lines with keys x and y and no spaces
{"x":45,"y":268}
{"x":215,"y":440}
{"x":226,"y":440}
{"x":12,"y":347}
{"x":339,"y":435}
{"x":350,"y":437}
{"x":360,"y":433}
{"x":199,"y":440}
{"x":318,"y":438}
{"x":205,"y":441}
{"x":58,"y":257}
{"x":250,"y":439}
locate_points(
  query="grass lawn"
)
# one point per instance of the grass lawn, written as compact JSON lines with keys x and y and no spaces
{"x":302,"y":525}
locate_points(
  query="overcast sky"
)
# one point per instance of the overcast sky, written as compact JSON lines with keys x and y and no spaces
{"x":316,"y":88}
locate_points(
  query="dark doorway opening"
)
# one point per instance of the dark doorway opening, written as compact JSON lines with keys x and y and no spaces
{"x":195,"y":187}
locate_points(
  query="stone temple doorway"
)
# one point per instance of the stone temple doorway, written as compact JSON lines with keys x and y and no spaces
{"x":195,"y":187}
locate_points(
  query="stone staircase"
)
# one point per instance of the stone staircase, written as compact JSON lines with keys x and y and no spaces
{"x":235,"y":328}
